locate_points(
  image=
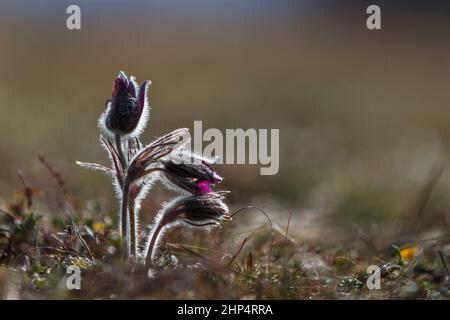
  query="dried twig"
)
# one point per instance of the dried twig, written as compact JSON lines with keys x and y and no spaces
{"x":269,"y":253}
{"x":287,"y":227}
{"x":59,"y":181}
{"x":444,"y":263}
{"x":233,"y":258}
{"x":9,"y":215}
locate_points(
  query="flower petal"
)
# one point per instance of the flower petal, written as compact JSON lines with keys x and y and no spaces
{"x":143,"y":94}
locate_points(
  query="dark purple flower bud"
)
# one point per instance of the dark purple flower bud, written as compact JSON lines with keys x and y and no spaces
{"x":195,"y":177}
{"x":127,"y":110}
{"x":197,"y":211}
{"x":201,"y":210}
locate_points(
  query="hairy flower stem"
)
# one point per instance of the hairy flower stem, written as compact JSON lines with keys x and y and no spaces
{"x":155,"y":233}
{"x":128,"y":218}
{"x":118,"y":140}
{"x":124,"y":230}
{"x":133,"y":233}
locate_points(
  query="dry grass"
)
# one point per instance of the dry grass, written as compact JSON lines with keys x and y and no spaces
{"x":254,"y":256}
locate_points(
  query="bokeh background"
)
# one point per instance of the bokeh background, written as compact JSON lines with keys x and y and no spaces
{"x":364,"y":116}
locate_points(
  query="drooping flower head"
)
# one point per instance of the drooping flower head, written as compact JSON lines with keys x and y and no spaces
{"x":195,"y":211}
{"x":200,"y":210}
{"x":195,"y":177}
{"x":127,"y":109}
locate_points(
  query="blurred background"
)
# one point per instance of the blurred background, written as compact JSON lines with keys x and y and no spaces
{"x":364,"y":116}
